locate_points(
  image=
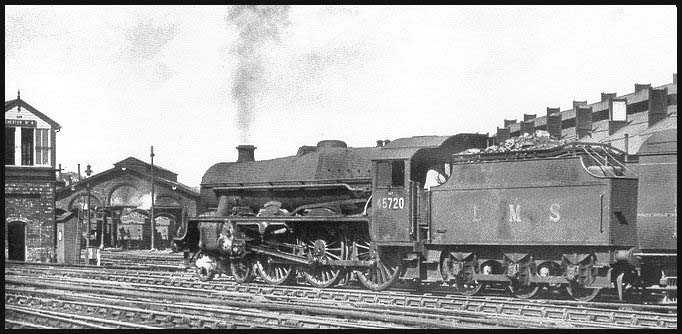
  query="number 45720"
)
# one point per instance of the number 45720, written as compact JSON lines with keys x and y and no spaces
{"x":395,"y":203}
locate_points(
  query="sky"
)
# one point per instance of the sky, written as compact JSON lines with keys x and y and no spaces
{"x":119,"y":79}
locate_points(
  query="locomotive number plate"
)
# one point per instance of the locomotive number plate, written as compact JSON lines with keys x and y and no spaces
{"x":395,"y":203}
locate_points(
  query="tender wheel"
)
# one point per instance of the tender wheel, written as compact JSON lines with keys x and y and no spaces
{"x":520,"y":290}
{"x":320,"y":275}
{"x":524,"y":291}
{"x":273,"y":272}
{"x":386,"y":271}
{"x":545,"y":271}
{"x":581,"y":293}
{"x":460,"y":274}
{"x":242,"y":270}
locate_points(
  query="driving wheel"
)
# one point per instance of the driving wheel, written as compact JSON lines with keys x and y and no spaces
{"x":320,"y":274}
{"x":384,"y":273}
{"x":274,"y":272}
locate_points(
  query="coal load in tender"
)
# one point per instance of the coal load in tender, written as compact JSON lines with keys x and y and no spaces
{"x":540,"y":140}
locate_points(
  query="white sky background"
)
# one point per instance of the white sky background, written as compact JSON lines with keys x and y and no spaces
{"x":119,"y":79}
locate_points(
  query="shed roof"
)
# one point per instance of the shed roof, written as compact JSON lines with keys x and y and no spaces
{"x":663,"y":142}
{"x":639,"y":131}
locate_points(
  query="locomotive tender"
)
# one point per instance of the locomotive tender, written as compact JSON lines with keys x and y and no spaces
{"x":562,"y":218}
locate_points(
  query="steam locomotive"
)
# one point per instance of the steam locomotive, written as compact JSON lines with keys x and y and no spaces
{"x":418,"y":209}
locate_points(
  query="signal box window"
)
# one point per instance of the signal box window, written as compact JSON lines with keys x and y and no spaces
{"x":391,"y":173}
{"x":9,"y":145}
{"x":27,"y":147}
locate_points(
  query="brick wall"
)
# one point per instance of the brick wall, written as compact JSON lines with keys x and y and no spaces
{"x":33,"y":204}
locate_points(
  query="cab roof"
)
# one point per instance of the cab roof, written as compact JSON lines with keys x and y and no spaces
{"x":406,"y":148}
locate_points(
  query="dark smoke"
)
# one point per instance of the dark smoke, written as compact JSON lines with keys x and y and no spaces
{"x":257,"y":25}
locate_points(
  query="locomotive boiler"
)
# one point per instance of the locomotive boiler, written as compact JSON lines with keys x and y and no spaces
{"x":558,"y":218}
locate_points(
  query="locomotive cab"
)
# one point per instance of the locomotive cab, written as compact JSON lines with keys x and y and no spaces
{"x":399,"y":196}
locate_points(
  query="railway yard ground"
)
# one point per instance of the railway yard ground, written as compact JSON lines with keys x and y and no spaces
{"x":151,"y":289}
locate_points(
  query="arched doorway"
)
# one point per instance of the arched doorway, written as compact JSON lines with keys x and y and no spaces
{"x":133,"y":228}
{"x":163,"y":225}
{"x":125,"y":221}
{"x":16,"y":241}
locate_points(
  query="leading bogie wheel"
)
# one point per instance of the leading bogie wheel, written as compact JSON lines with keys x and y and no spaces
{"x":274,"y":272}
{"x":205,"y":274}
{"x":242,"y":270}
{"x":205,"y":267}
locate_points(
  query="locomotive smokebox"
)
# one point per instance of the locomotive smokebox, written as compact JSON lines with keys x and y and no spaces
{"x":245,"y":153}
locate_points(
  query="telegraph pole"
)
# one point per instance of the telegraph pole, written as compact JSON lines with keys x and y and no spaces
{"x":151,"y":218}
{"x":88,"y":171}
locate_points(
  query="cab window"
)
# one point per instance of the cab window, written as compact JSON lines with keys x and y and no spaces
{"x":391,"y":173}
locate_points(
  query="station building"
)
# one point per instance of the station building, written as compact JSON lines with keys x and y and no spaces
{"x":30,"y":183}
{"x":119,"y":203}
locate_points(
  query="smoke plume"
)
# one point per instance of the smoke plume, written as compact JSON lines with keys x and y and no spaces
{"x":257,"y":26}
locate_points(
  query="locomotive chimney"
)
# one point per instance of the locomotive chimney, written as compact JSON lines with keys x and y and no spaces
{"x":223,"y":207}
{"x":245,"y":153}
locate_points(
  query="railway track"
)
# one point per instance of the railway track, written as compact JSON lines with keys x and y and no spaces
{"x":150,"y":313}
{"x":210,"y":308}
{"x":567,"y":314}
{"x":144,"y":275}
